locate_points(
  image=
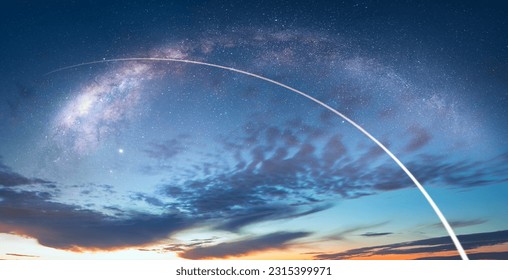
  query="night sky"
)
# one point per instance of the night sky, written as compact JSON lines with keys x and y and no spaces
{"x":143,"y":159}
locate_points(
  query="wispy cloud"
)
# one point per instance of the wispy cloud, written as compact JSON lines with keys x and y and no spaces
{"x":9,"y":178}
{"x":420,"y":138}
{"x":425,"y":246}
{"x":276,"y":172}
{"x":462,"y":223}
{"x":375,"y":234}
{"x":346,"y":233}
{"x":472,"y":256}
{"x":168,"y":149}
{"x":278,"y":240}
{"x":21,"y":255}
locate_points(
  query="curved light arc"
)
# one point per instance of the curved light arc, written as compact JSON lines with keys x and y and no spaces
{"x":429,"y":199}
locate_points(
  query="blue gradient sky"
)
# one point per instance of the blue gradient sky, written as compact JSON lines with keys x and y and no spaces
{"x":141,"y":159}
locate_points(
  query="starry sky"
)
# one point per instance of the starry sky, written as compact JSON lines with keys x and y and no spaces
{"x":143,"y":159}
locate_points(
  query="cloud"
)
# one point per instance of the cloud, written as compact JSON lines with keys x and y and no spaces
{"x":267,"y":213}
{"x":11,"y":179}
{"x":69,"y":227}
{"x":333,"y":151}
{"x":463,"y":173}
{"x":462,"y":223}
{"x":261,"y":183}
{"x":278,"y":240}
{"x":282,"y":171}
{"x":178,"y":246}
{"x":43,"y":216}
{"x":250,"y":216}
{"x":167,"y":149}
{"x":21,"y":255}
{"x":420,"y":138}
{"x":375,"y":234}
{"x":472,"y":256}
{"x":272,"y":173}
{"x":431,"y":245}
{"x":8,"y":178}
{"x":343,"y":234}
{"x":152,"y":200}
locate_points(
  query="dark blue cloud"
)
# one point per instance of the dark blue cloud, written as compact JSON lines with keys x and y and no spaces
{"x":473,"y":256}
{"x":152,"y":200}
{"x":375,"y":234}
{"x":270,"y":178}
{"x":9,"y":178}
{"x":70,"y":227}
{"x":420,"y":137}
{"x":168,"y":149}
{"x":431,"y":245}
{"x":462,"y":223}
{"x":239,"y":219}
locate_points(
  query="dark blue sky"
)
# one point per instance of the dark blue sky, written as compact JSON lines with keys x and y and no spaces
{"x":466,"y":40}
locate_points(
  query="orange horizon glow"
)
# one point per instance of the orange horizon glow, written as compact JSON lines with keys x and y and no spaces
{"x":28,"y":248}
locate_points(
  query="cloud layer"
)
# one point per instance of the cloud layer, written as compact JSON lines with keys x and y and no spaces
{"x":278,"y":240}
{"x":428,"y":246}
{"x":69,"y":227}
